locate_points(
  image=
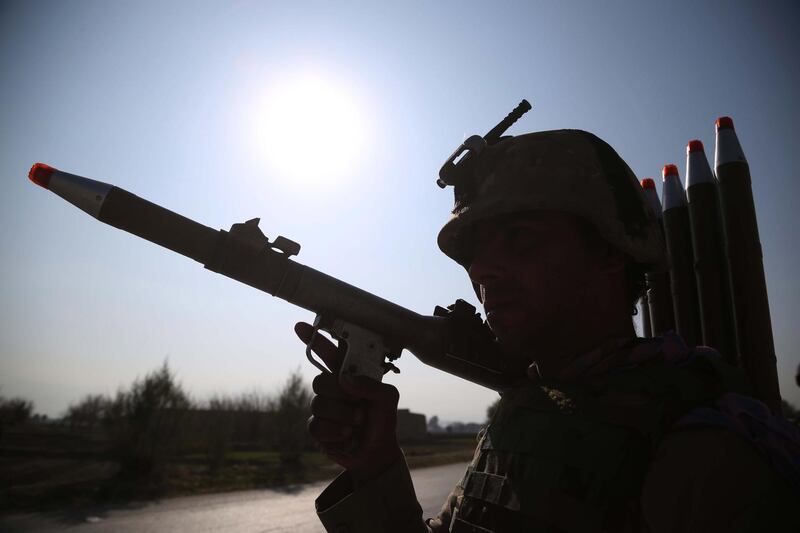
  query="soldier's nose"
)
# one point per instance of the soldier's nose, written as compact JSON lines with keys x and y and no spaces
{"x":487,"y":265}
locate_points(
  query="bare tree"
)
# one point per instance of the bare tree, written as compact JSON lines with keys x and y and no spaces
{"x":491,"y":410}
{"x":89,"y":412}
{"x":145,"y":423}
{"x":292,"y":409}
{"x":14,"y":411}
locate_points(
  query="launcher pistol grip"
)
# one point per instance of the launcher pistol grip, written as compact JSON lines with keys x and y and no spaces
{"x":365,"y":352}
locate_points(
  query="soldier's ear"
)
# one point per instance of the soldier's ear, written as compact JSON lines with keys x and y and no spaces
{"x":607,"y":257}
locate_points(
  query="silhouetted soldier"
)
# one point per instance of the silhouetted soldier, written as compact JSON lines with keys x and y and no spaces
{"x":603,"y":431}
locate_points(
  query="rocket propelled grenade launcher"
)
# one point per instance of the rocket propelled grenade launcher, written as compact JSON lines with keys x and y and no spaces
{"x":373,"y":331}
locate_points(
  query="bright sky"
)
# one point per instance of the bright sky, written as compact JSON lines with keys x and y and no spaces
{"x":174,"y":100}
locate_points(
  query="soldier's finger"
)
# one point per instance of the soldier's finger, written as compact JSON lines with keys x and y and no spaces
{"x":324,"y":348}
{"x":337,"y":410}
{"x":325,"y":431}
{"x":328,"y":385}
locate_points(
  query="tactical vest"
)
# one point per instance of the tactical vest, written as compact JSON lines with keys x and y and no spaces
{"x":572,"y":457}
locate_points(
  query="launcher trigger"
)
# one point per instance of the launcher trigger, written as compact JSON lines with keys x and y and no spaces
{"x":309,"y":355}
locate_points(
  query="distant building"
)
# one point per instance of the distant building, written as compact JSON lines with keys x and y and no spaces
{"x":453,"y":428}
{"x":411,"y":426}
{"x":460,"y":428}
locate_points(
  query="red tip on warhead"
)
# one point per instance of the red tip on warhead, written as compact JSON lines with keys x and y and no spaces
{"x":669,"y":170}
{"x":648,"y":183}
{"x":40,"y":174}
{"x":694,"y":146}
{"x":724,"y":123}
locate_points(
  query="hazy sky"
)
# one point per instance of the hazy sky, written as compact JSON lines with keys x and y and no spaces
{"x":185,"y":104}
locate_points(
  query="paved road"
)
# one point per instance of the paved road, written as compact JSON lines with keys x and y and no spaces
{"x":257,"y":511}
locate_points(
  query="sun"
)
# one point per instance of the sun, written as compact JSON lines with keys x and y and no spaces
{"x":310,"y":130}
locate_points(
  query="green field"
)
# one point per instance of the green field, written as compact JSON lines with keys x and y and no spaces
{"x":51,"y":467}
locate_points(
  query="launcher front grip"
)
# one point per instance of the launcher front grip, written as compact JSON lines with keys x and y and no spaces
{"x":374,"y":328}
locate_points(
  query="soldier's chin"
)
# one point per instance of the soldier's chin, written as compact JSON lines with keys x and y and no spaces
{"x":510,"y":326}
{"x":508,"y":321}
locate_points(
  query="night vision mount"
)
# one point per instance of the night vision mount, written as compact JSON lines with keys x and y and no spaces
{"x":471,"y":148}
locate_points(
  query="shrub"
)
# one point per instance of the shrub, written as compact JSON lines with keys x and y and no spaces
{"x":218,"y":438}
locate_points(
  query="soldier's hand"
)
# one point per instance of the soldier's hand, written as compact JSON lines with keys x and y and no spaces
{"x":353,"y":419}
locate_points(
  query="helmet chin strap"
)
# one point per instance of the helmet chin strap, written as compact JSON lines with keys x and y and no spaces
{"x":477,"y":288}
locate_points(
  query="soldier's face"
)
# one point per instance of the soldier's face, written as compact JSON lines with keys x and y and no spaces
{"x":540,"y":275}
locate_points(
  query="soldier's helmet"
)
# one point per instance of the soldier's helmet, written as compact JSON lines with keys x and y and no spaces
{"x":570,"y":171}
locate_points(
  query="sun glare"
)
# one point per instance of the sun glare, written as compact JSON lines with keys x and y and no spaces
{"x":310,"y":130}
